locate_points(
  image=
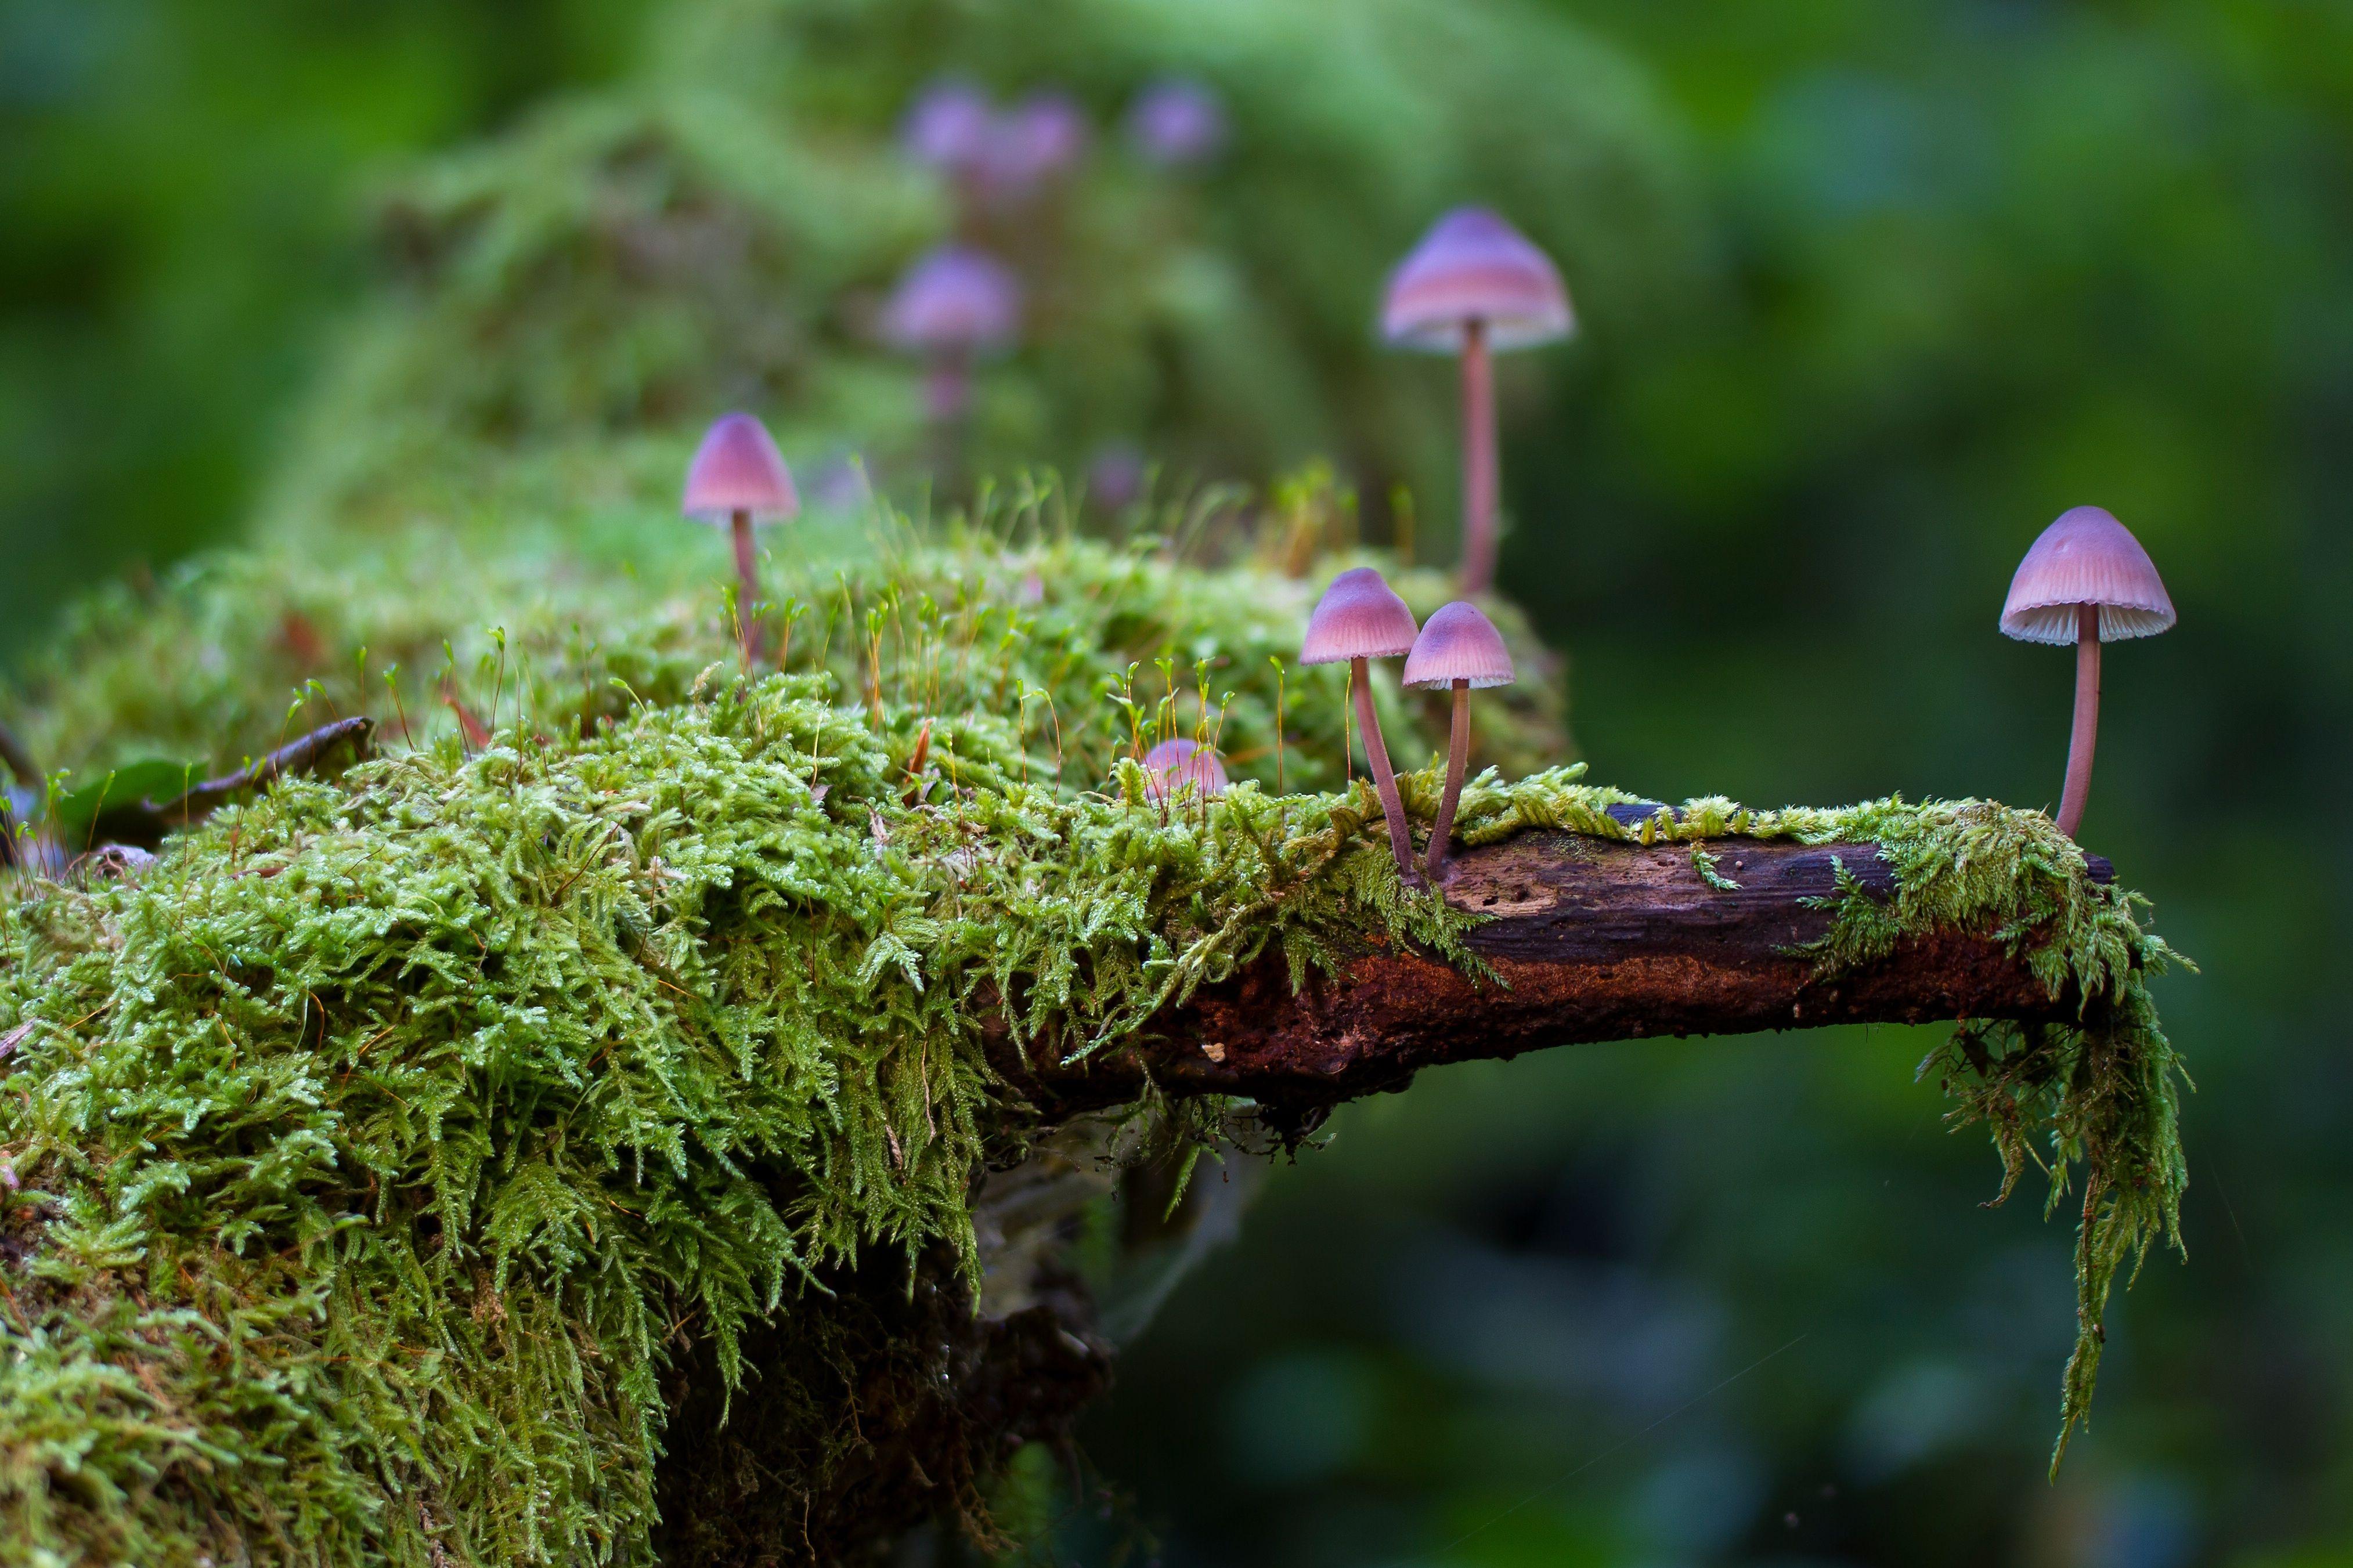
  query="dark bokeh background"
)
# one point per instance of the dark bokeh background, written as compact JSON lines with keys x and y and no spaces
{"x":1939,"y":272}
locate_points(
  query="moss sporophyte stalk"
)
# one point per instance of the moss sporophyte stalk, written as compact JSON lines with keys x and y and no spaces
{"x":375,"y":1156}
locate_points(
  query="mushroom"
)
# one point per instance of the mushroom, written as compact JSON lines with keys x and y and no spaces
{"x":1177,"y":121}
{"x":738,"y":474}
{"x":2086,"y":581}
{"x":1173,"y":767}
{"x":1462,"y":648}
{"x":953,"y":306}
{"x":1032,"y":145}
{"x":948,"y":127}
{"x":1360,"y":618}
{"x":1476,"y":284}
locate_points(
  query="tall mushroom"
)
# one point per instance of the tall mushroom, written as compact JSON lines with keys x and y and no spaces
{"x":2086,"y":581}
{"x":739,"y":475}
{"x":952,"y":307}
{"x":1473,"y":284}
{"x":1360,"y":618}
{"x":1460,"y":647}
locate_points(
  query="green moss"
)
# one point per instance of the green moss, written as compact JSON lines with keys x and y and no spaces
{"x":383,"y":1160}
{"x":379,"y":1147}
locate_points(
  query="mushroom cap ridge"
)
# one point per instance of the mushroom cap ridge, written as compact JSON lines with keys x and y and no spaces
{"x":1360,"y":616}
{"x":2086,"y":557}
{"x":738,"y":469}
{"x":1459,"y":644}
{"x":1475,"y":266}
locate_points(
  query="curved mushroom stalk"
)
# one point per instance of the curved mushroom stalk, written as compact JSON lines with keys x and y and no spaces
{"x":1376,"y":762}
{"x":1458,"y":760}
{"x":1358,"y":619}
{"x":1459,"y":648}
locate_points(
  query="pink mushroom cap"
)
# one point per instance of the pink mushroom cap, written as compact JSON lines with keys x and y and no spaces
{"x":1038,"y":138}
{"x":2088,"y":557}
{"x":738,"y":469}
{"x":949,"y":126}
{"x":1173,"y":765}
{"x":1177,"y":121}
{"x":954,"y":299}
{"x":1360,"y":616}
{"x":1473,"y":267}
{"x":1459,"y":644}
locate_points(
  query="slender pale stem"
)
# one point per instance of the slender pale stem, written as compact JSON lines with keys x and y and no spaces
{"x":1458,"y":758}
{"x":947,"y":401}
{"x":1377,"y":762}
{"x":748,"y":588}
{"x":1479,"y":460}
{"x":2087,"y":719}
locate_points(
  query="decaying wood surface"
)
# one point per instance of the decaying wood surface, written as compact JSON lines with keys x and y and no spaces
{"x":1591,"y":940}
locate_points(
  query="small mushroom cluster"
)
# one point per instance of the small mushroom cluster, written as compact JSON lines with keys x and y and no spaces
{"x":1360,"y":618}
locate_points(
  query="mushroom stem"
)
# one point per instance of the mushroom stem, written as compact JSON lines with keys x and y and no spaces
{"x":947,"y":399}
{"x":2087,"y":719}
{"x":1478,"y":461}
{"x":747,"y":580}
{"x":1458,"y":758}
{"x":1376,"y":762}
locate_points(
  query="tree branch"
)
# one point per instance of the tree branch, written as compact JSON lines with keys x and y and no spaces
{"x":1591,"y":940}
{"x":144,"y":823}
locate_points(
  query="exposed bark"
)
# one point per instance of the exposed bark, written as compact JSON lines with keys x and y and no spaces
{"x":928,"y":1401}
{"x":144,"y":823}
{"x":1589,"y":939}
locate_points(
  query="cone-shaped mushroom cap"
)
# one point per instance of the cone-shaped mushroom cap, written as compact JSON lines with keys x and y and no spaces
{"x":2088,"y":557}
{"x":1472,"y":266}
{"x":953,"y":300}
{"x":1360,"y":616}
{"x":1173,"y":765}
{"x":1459,"y":644}
{"x":738,"y":469}
{"x":1177,"y":121}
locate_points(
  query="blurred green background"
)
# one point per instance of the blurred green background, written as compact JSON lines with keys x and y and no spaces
{"x":1870,"y":293}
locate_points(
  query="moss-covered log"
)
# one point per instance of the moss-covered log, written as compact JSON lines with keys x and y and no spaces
{"x":1581,"y":940}
{"x":518,"y":1108}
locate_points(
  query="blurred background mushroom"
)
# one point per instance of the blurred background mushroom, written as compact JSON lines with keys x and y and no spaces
{"x":1178,"y":122}
{"x":2086,"y":581}
{"x":738,"y":475}
{"x":952,"y":307}
{"x":949,"y":127}
{"x":1033,"y":145}
{"x":1473,"y":286}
